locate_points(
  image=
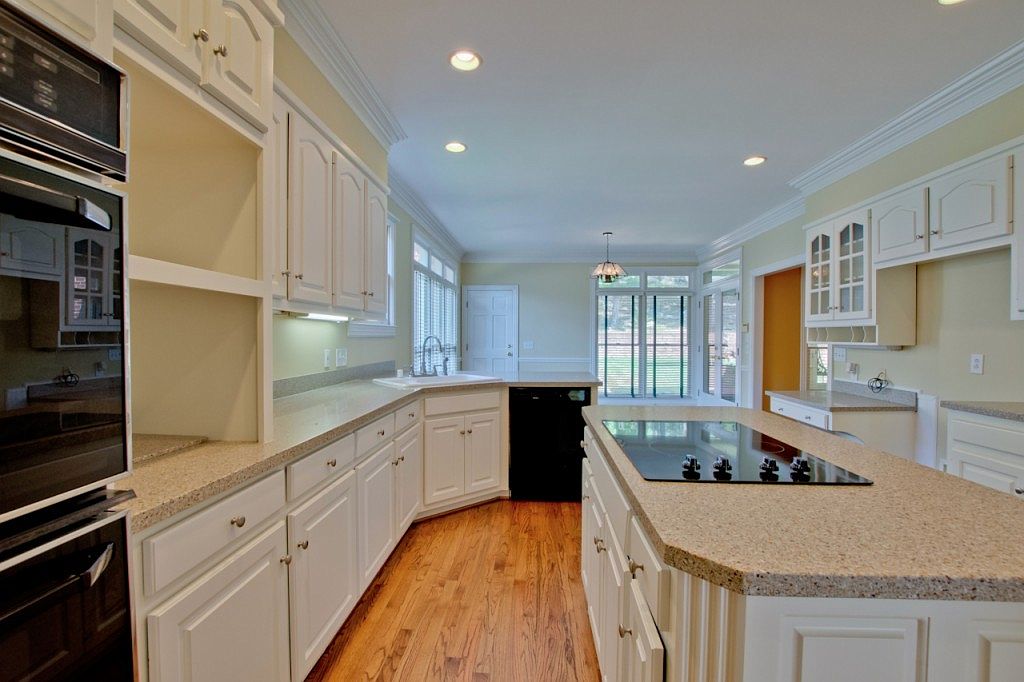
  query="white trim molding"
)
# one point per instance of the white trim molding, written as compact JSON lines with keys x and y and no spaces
{"x":425,"y":219}
{"x":307,"y":23}
{"x":994,"y":78}
{"x":584,"y":256}
{"x":768,"y":220}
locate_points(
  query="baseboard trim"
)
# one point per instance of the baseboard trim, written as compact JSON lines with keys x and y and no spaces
{"x":459,"y":505}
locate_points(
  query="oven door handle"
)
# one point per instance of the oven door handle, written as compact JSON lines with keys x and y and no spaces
{"x":84,"y":580}
{"x":36,"y":201}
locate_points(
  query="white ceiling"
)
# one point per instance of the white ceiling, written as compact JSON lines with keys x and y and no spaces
{"x":593,"y":115}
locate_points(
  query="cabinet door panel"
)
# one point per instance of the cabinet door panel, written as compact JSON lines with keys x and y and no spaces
{"x":31,"y":247}
{"x":444,"y":471}
{"x":89,"y":21}
{"x":970,"y":204}
{"x":376,"y":512}
{"x":324,"y":573}
{"x":309,"y":212}
{"x":349,"y":230}
{"x":239,"y":58}
{"x":644,"y":651}
{"x":376,"y":250}
{"x":818,"y":273}
{"x":169,"y":28}
{"x":409,"y":478}
{"x":851,"y":258}
{"x":279,"y":168}
{"x":230,"y":624}
{"x":615,"y":580}
{"x":900,"y":225}
{"x":483,"y":451}
{"x":1018,"y":222}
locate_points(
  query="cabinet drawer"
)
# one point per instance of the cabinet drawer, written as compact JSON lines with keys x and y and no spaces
{"x":650,"y":573}
{"x":375,"y":434}
{"x":322,"y":465}
{"x":1000,"y":435}
{"x":615,"y":503}
{"x":469,"y":402}
{"x":407,"y":416}
{"x":799,"y":413}
{"x":170,"y":554}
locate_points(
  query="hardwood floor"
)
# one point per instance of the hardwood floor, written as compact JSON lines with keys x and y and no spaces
{"x":491,"y":593}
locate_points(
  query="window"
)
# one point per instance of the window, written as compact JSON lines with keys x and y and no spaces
{"x":386,"y":327}
{"x":643,"y":335}
{"x":435,"y":304}
{"x":817,"y":367}
{"x":719,"y":345}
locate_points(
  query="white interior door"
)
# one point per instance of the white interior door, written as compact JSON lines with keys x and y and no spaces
{"x":491,"y":329}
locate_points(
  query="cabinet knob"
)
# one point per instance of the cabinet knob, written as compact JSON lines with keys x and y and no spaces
{"x":238,"y":521}
{"x":332,"y":463}
{"x":634,"y":567}
{"x":782,"y":409}
{"x":1019,"y":491}
{"x":298,"y":276}
{"x":366,"y":293}
{"x":4,"y":253}
{"x":286,"y":559}
{"x":583,"y":443}
{"x":462,"y":433}
{"x":304,"y":544}
{"x":934,"y":232}
{"x":600,"y":546}
{"x":202,"y":34}
{"x":586,"y":497}
{"x":918,"y":236}
{"x":807,"y":417}
{"x":402,"y":458}
{"x":381,"y":433}
{"x":469,"y":430}
{"x":623,"y":631}
{"x":371,"y":293}
{"x":412,"y":415}
{"x":222,"y":50}
{"x":285,"y":273}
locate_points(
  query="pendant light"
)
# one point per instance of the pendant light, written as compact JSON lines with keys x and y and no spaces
{"x":607,"y":271}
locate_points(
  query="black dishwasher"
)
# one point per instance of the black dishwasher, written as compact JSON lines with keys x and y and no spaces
{"x":546,"y":430}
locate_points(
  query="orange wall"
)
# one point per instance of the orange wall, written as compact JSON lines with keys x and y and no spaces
{"x":782,"y":330}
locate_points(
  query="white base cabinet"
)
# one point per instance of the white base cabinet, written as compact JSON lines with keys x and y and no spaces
{"x":986,"y":450}
{"x":230,"y":624}
{"x":408,"y":478}
{"x":376,"y":512}
{"x":323,"y":577}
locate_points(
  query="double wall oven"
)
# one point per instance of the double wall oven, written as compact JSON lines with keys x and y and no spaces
{"x":65,"y":608}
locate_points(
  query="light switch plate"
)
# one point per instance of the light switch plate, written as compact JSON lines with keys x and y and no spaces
{"x":839,"y":354}
{"x":977,"y":363}
{"x":340,"y":357}
{"x":327,"y":358}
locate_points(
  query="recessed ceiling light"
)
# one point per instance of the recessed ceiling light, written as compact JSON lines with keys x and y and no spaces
{"x":464,"y":60}
{"x":754,"y":160}
{"x":950,"y":2}
{"x":455,"y":147}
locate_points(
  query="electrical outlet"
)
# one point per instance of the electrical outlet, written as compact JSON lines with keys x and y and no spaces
{"x":327,"y":358}
{"x":340,"y":357}
{"x":839,"y":354}
{"x":977,"y":363}
{"x":114,"y":354}
{"x":527,"y":345}
{"x":853,"y":369}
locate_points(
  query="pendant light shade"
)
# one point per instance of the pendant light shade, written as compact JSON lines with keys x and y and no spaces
{"x":607,"y":271}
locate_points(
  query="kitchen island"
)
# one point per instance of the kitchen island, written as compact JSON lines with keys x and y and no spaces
{"x":919,"y":576}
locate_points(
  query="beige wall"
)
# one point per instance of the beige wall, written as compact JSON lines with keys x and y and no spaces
{"x":963,"y":302}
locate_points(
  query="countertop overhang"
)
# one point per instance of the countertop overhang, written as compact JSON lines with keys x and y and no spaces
{"x":917,"y":533}
{"x":837,"y":401}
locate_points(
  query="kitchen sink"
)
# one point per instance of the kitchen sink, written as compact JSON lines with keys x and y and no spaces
{"x":449,"y":380}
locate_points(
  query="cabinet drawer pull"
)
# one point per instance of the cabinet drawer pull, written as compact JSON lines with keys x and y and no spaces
{"x":202,"y":34}
{"x":782,"y":409}
{"x":402,"y":458}
{"x":586,"y":497}
{"x":286,"y":559}
{"x":222,"y":50}
{"x":381,"y":433}
{"x":600,"y":546}
{"x":332,"y":463}
{"x":238,"y":521}
{"x":304,"y":544}
{"x":625,"y":631}
{"x":583,"y":444}
{"x":412,"y":415}
{"x":807,"y":417}
{"x":634,"y":567}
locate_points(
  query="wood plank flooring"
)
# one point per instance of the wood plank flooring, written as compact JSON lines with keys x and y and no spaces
{"x":487,"y":594}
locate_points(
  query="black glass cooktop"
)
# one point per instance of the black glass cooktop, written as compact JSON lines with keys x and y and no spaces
{"x":720,"y":452}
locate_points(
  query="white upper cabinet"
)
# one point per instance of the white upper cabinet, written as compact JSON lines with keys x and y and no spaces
{"x":279,"y":167}
{"x":970,"y":204}
{"x":349,"y":234}
{"x":838,"y":269}
{"x":818,"y":271}
{"x":239,"y":62}
{"x":310,"y":181}
{"x":88,"y":22}
{"x":901,"y":225}
{"x":31,"y":247}
{"x":93,"y":294}
{"x":175,"y":30}
{"x":376,"y":251}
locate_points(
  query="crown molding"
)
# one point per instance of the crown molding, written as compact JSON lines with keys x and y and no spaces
{"x":306,"y":22}
{"x":409,"y":200}
{"x":996,"y":77}
{"x":627,"y":257}
{"x":768,"y":220}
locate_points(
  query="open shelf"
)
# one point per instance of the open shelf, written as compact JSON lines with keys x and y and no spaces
{"x":163,"y":272}
{"x":193,"y":182}
{"x":194,"y":362}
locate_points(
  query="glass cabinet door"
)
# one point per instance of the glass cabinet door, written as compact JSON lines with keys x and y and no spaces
{"x":819,"y":274}
{"x":852,"y":263}
{"x":89,"y":278}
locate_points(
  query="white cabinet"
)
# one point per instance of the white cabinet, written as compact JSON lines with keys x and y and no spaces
{"x":310,"y":181}
{"x":278,"y":149}
{"x":408,"y":478}
{"x":350,"y":290}
{"x":838,"y":269}
{"x":376,"y":512}
{"x":462,"y":456}
{"x":88,"y":22}
{"x":93,"y":287}
{"x":614,"y":580}
{"x":643,"y":651}
{"x":376,"y":251}
{"x":970,"y":204}
{"x":483,"y":451}
{"x":1017,"y":252}
{"x":900,"y":225}
{"x":31,"y":248}
{"x":230,"y":624}
{"x":227,"y":46}
{"x":986,"y":450}
{"x":324,"y":573}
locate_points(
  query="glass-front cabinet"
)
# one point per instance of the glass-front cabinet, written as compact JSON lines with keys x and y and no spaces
{"x":838,"y":269}
{"x":93,"y":286}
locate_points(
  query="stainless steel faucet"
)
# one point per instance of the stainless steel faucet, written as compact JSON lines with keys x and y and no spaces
{"x":423,"y":357}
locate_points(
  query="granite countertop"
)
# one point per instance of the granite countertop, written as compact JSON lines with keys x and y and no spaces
{"x":917,"y":533}
{"x":836,"y":401}
{"x":989,"y":408}
{"x":174,"y":478}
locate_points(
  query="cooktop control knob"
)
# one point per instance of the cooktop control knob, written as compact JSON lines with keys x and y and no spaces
{"x":721,"y":469}
{"x":769,"y":469}
{"x":691,"y":468}
{"x":800,"y":470}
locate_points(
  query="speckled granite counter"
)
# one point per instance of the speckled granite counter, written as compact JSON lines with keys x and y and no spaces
{"x":917,"y":533}
{"x":835,"y":401}
{"x":1001,"y":410}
